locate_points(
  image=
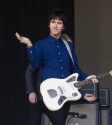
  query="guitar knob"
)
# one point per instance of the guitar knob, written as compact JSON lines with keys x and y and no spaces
{"x":74,"y":94}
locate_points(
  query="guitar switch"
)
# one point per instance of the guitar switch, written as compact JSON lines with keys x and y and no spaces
{"x":74,"y":94}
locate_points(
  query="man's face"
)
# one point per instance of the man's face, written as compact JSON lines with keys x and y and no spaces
{"x":56,"y":27}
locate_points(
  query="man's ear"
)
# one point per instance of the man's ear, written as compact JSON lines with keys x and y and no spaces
{"x":63,"y":27}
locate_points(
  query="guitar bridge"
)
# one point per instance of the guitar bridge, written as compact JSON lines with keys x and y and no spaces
{"x":60,"y":89}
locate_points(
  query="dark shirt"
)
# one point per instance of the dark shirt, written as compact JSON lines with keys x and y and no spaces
{"x":52,"y":56}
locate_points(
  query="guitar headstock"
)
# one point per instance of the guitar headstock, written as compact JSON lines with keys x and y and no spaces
{"x":110,"y":73}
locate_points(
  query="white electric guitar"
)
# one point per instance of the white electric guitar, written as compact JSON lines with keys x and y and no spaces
{"x":56,"y":92}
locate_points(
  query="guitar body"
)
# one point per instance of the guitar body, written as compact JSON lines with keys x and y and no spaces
{"x":56,"y":92}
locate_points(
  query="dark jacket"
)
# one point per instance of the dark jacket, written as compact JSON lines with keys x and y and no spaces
{"x":33,"y":81}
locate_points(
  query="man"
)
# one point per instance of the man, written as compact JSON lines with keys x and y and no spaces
{"x":33,"y":81}
{"x":52,"y":56}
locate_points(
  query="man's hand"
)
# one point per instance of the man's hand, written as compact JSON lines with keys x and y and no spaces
{"x":24,"y":40}
{"x":93,"y":79}
{"x":33,"y":97}
{"x":89,"y":97}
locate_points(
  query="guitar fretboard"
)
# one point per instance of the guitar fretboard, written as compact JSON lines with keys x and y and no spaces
{"x":87,"y":81}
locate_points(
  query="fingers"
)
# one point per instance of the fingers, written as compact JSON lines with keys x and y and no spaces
{"x":24,"y":40}
{"x":91,"y":76}
{"x":32,"y":98}
{"x":90,"y":97}
{"x":18,"y":36}
{"x":91,"y":100}
{"x":93,"y":79}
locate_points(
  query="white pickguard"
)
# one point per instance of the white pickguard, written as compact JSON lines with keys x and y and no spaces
{"x":62,"y":88}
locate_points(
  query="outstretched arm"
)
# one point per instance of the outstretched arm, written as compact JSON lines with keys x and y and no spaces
{"x":34,"y":52}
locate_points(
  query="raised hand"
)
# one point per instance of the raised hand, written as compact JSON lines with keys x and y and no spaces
{"x":24,"y":40}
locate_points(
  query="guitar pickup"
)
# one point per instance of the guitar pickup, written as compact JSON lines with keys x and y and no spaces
{"x":52,"y":93}
{"x":61,"y":99}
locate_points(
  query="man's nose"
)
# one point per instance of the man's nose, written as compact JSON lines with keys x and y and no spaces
{"x":55,"y":24}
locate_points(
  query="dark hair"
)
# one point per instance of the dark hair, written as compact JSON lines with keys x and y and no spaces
{"x":58,"y":14}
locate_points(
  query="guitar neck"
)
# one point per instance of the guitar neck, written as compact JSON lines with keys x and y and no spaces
{"x":100,"y":77}
{"x":88,"y":81}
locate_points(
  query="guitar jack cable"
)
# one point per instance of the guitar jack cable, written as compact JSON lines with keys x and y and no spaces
{"x":75,"y":115}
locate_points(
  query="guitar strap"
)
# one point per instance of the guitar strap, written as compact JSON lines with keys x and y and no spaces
{"x":69,"y":51}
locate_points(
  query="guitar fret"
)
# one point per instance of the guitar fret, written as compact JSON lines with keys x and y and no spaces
{"x":80,"y":83}
{"x":100,"y":77}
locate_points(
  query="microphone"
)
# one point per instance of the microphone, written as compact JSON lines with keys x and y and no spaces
{"x":77,"y":115}
{"x":82,"y":116}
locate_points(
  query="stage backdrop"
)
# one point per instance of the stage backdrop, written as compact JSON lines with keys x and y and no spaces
{"x":93,"y":38}
{"x":30,"y":19}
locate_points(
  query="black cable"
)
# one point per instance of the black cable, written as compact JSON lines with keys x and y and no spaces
{"x":69,"y":119}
